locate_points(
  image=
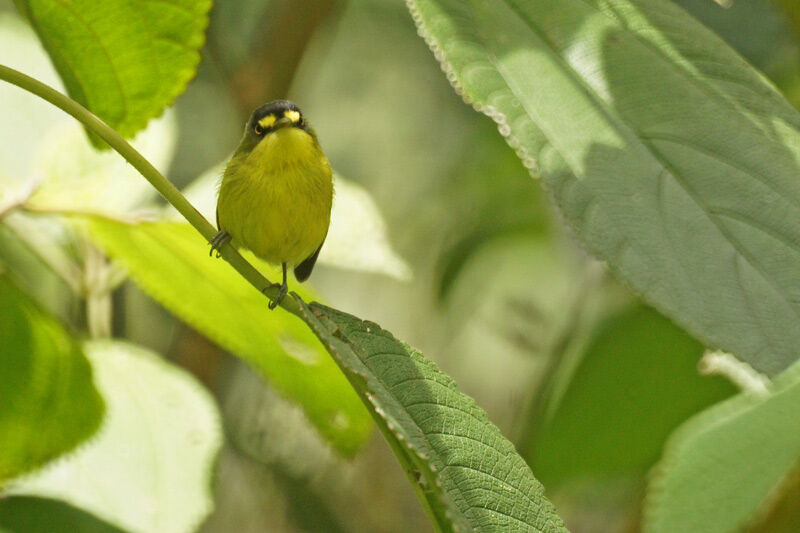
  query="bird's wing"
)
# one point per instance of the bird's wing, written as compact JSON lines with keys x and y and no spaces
{"x":303,"y":270}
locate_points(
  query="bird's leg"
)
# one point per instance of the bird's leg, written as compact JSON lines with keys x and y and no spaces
{"x":282,"y":290}
{"x":219,"y":240}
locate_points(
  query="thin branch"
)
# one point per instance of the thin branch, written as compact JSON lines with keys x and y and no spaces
{"x":150,"y":173}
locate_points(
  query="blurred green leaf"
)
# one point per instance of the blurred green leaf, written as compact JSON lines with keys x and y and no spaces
{"x":792,"y":11}
{"x":784,"y":515}
{"x":466,"y":473}
{"x":41,"y":258}
{"x":729,"y":463}
{"x":48,"y":402}
{"x":358,"y":238}
{"x":488,"y":198}
{"x":24,"y":120}
{"x":674,"y":160}
{"x":26,"y":514}
{"x":628,"y":389}
{"x":149,"y":469}
{"x":75,"y":177}
{"x":170,"y":262}
{"x":125,"y":60}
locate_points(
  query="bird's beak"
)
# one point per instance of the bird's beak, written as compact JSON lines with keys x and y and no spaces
{"x":281,"y":123}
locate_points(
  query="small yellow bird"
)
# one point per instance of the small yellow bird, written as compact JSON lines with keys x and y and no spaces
{"x":276,"y":193}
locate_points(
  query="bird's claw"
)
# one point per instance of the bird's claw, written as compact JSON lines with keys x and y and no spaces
{"x":219,"y":240}
{"x":282,"y":290}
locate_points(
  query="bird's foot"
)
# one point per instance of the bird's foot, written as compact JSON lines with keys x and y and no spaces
{"x":282,"y":290}
{"x":219,"y":240}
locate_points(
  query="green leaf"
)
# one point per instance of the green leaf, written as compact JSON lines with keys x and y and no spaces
{"x":674,"y":160}
{"x":784,"y":515}
{"x":629,"y":389}
{"x":465,"y":472}
{"x":149,"y":469}
{"x":26,"y":514}
{"x":74,"y":177}
{"x":48,"y":402}
{"x":358,"y":238}
{"x":125,"y":60}
{"x":759,"y":31}
{"x":792,"y":11}
{"x":755,"y":29}
{"x":170,"y":262}
{"x":728,"y":464}
{"x":22,"y":115}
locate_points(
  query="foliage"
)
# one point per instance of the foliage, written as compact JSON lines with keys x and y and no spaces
{"x":27,"y":514}
{"x":651,"y":184}
{"x":636,"y":363}
{"x":170,"y":261}
{"x":698,"y":484}
{"x":49,"y":401}
{"x":161,"y":436}
{"x":669,"y":157}
{"x":467,"y":472}
{"x":126,"y":61}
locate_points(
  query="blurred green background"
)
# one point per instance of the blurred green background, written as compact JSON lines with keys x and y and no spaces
{"x":582,"y":377}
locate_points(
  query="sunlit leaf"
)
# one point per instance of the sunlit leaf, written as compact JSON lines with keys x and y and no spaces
{"x":125,"y":60}
{"x":149,"y":468}
{"x":73,"y":176}
{"x":170,"y":262}
{"x":24,"y":120}
{"x":728,"y":463}
{"x":469,"y":476}
{"x":48,"y":402}
{"x":672,"y":158}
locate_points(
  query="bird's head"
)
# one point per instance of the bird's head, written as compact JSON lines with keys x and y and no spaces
{"x":277,"y":129}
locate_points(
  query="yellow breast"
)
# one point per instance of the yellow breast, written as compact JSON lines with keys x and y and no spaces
{"x":276,"y":200}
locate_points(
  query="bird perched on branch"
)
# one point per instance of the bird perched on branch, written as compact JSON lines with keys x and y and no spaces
{"x":276,"y":193}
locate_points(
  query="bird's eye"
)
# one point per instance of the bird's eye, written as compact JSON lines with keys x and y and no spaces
{"x":258,"y":129}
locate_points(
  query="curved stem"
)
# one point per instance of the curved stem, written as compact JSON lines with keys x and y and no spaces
{"x":150,"y":173}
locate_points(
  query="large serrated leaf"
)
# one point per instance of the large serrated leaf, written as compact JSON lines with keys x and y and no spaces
{"x":170,"y":262}
{"x":48,"y":402}
{"x":673,"y":159}
{"x":124,"y":60}
{"x":149,"y":468}
{"x":468,"y":475}
{"x":728,"y":464}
